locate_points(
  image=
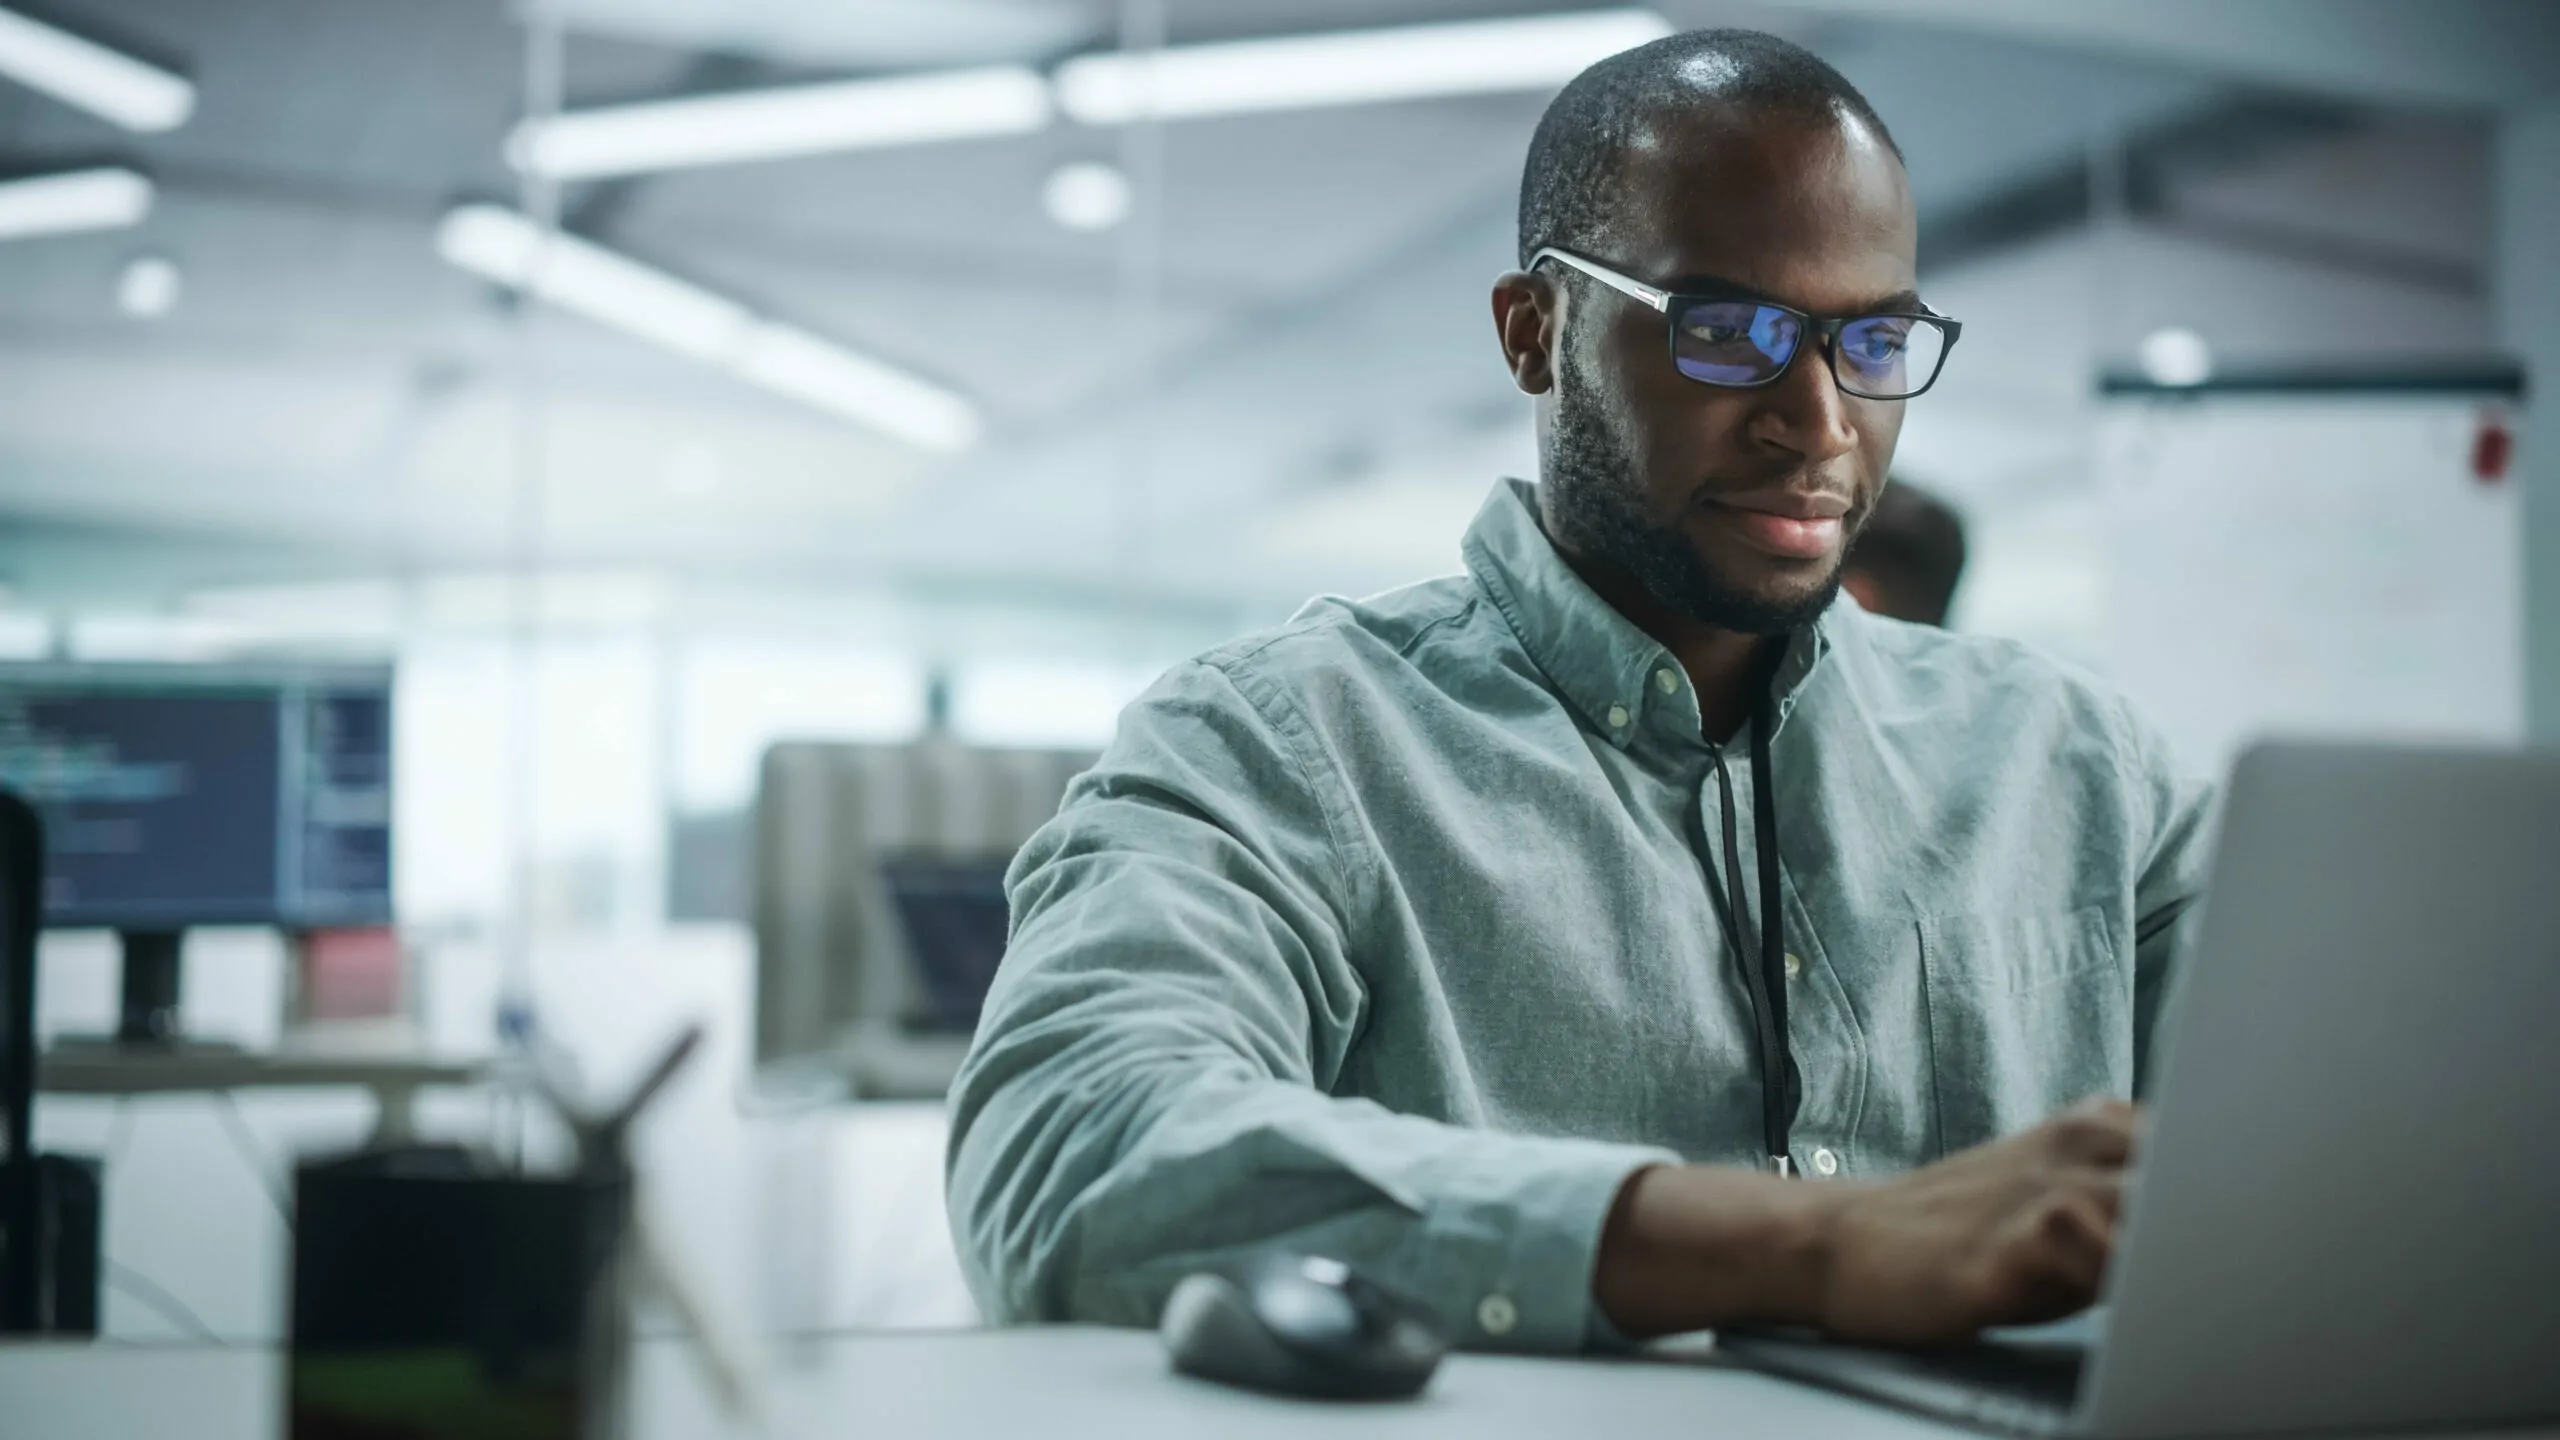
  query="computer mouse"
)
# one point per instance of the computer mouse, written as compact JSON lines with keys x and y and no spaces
{"x":1302,"y":1325}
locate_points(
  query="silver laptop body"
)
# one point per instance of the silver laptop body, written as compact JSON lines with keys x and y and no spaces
{"x":2347,"y":1213}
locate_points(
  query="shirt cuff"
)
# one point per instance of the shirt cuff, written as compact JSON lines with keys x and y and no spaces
{"x":1517,"y":1265}
{"x":1601,"y":1337}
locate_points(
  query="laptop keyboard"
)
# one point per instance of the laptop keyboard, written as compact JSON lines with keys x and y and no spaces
{"x":2046,"y":1373}
{"x":2026,"y":1387}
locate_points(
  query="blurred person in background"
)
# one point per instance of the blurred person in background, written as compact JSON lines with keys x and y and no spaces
{"x":1621,"y":937}
{"x":1908,"y":557}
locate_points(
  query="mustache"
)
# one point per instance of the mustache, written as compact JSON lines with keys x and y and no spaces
{"x":1789,"y":478}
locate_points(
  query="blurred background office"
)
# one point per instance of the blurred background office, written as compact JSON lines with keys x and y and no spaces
{"x":754,"y":447}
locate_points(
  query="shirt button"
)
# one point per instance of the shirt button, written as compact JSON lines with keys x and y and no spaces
{"x":1617,"y":717}
{"x":1497,"y":1314}
{"x":1795,"y":968}
{"x":1665,"y":681}
{"x":1825,"y":1163}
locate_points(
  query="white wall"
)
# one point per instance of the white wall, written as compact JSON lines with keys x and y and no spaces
{"x":2010,"y":433}
{"x":2528,"y":299}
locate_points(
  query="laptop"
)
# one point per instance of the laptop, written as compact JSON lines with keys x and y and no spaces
{"x":2347,"y":1213}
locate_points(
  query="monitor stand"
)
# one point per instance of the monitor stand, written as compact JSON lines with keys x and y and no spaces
{"x":147,"y":1016}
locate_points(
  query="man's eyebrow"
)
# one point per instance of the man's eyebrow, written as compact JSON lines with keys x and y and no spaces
{"x":1899,"y":302}
{"x":1719,"y":287}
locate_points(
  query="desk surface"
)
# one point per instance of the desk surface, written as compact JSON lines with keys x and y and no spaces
{"x":112,"y":1070}
{"x":1017,"y":1384}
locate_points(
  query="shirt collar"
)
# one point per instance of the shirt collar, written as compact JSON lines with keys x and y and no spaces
{"x":1621,"y":679}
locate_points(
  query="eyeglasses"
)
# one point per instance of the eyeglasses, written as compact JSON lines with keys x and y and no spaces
{"x":1741,"y":344}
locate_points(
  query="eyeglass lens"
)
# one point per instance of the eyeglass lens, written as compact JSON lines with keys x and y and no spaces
{"x":1735,"y":342}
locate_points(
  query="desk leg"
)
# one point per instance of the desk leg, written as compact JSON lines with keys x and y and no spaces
{"x":395,"y":1115}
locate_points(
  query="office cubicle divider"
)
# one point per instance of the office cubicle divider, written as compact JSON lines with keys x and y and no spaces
{"x":879,"y":904}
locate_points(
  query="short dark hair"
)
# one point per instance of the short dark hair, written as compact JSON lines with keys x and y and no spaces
{"x":1913,"y":549}
{"x":1570,"y":181}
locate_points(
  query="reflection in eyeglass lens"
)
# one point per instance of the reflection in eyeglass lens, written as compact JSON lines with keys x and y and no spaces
{"x":1877,"y":349}
{"x":1887,"y":356}
{"x":1736,"y":342}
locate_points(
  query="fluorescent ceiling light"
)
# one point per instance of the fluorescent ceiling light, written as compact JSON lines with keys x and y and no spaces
{"x":1354,"y":67}
{"x":610,"y":289}
{"x":772,"y":124}
{"x":614,"y":290}
{"x":817,"y":372}
{"x":107,"y":199}
{"x":82,"y":72}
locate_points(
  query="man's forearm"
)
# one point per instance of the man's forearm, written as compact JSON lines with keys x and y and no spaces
{"x":1691,"y":1247}
{"x":2013,"y":1232}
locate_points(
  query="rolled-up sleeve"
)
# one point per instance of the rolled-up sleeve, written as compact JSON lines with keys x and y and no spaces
{"x":1150,"y":1089}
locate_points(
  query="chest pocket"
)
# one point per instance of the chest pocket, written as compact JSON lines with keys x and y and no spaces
{"x":2027,"y":1014}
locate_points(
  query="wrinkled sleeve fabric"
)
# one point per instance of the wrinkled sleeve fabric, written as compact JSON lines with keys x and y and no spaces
{"x":1148,"y":1091}
{"x":2170,"y":881}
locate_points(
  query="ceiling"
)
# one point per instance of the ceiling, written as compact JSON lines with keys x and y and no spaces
{"x":1277,"y":378}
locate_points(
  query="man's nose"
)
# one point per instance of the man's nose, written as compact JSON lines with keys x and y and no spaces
{"x":1805,"y":410}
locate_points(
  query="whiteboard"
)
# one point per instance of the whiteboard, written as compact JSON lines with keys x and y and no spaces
{"x":2310,"y":564}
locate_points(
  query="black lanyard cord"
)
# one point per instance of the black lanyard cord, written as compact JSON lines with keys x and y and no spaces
{"x":1767,"y":978}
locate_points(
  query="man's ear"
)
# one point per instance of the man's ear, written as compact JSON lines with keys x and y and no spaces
{"x":1526,"y":319}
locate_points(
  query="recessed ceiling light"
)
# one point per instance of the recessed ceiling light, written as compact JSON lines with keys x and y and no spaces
{"x":1087,"y":195}
{"x":147,"y":288}
{"x":2176,"y":356}
{"x":104,"y":199}
{"x":104,"y":82}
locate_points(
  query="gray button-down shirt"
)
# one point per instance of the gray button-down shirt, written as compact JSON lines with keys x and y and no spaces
{"x":1388,"y":935}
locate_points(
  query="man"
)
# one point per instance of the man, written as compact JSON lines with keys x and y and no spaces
{"x":1908,"y":557}
{"x":1623,"y":937}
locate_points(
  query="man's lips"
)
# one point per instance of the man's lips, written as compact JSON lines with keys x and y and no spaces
{"x":1791,"y":524}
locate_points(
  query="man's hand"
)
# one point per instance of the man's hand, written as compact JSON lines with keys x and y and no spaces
{"x":2008,"y":1233}
{"x":2004,"y":1234}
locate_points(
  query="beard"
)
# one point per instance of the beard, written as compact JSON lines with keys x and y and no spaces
{"x":1598,"y":509}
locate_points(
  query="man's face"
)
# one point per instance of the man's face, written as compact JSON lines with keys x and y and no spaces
{"x":1730,"y":507}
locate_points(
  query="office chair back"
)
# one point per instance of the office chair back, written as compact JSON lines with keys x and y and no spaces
{"x":21,"y":902}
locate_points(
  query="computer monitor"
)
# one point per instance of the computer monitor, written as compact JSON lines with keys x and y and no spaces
{"x":955,"y":918}
{"x":182,"y":795}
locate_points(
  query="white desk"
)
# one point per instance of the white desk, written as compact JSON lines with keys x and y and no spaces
{"x":1042,"y":1384}
{"x":394,"y":1079}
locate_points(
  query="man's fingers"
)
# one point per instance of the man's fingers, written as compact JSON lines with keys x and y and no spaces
{"x":2014,"y":1231}
{"x":2103,"y":1189}
{"x":2081,"y":1223}
{"x":2098,"y":1131}
{"x":2061,"y":1257}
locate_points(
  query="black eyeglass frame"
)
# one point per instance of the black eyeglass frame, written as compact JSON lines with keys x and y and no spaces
{"x":1824,"y":328}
